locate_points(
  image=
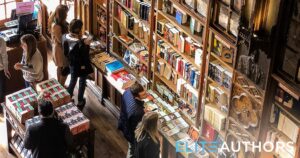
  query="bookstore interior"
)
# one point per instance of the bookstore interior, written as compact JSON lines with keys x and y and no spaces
{"x":222,"y":77}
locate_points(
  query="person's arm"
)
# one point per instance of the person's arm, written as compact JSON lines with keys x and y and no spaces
{"x":29,"y":140}
{"x":4,"y":57}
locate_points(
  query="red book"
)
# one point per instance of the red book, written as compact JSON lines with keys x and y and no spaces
{"x":119,"y":74}
{"x":208,"y":132}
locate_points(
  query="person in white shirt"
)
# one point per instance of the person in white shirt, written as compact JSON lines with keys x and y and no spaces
{"x":4,"y":72}
{"x":32,"y":61}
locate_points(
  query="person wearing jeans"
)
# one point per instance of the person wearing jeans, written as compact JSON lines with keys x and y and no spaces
{"x":77,"y":50}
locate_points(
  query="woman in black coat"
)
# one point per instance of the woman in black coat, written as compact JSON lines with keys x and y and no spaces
{"x":77,"y":50}
{"x":147,"y":137}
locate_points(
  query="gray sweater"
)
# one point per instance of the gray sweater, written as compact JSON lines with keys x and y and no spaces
{"x":33,"y":71}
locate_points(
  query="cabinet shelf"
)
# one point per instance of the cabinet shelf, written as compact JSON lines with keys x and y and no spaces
{"x":185,"y":29}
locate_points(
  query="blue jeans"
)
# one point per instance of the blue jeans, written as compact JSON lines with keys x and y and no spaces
{"x":82,"y":84}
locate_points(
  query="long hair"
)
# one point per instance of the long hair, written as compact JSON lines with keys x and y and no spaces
{"x":31,"y":43}
{"x":148,"y":125}
{"x":60,"y":17}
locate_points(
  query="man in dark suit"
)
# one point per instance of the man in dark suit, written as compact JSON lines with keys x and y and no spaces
{"x":50,"y":138}
{"x":132,"y":112}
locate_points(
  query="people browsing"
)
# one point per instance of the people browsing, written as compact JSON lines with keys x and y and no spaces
{"x":77,"y":50}
{"x":147,"y":137}
{"x":32,"y":61}
{"x":132,"y":112}
{"x":59,"y":27}
{"x":50,"y":137}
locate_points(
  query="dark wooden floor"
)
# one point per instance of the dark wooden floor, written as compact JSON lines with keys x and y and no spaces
{"x":109,"y":142}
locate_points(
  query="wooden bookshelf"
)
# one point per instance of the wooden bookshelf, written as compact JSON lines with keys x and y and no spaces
{"x":206,"y":39}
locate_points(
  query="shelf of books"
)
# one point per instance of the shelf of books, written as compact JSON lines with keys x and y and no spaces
{"x":100,"y":26}
{"x":284,"y":121}
{"x":131,"y":40}
{"x":178,"y":56}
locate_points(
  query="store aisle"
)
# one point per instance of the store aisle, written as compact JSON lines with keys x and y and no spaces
{"x":109,"y":142}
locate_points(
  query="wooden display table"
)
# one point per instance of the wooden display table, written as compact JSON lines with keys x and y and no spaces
{"x":85,"y":138}
{"x":14,"y":53}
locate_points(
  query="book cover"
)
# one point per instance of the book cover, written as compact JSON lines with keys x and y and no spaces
{"x":114,"y":67}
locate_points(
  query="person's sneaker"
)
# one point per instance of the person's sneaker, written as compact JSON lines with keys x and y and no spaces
{"x":245,"y":119}
{"x":253,"y":118}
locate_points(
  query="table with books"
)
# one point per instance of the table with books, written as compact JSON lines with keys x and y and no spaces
{"x":20,"y":111}
{"x":173,"y":126}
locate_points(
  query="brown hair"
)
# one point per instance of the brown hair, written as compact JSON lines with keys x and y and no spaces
{"x":30,"y":41}
{"x":75,"y":26}
{"x":148,"y":125}
{"x":61,"y":13}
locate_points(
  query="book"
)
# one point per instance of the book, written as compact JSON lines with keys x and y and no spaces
{"x":114,"y":67}
{"x":198,"y":56}
{"x":202,"y":7}
{"x":192,"y":25}
{"x":167,"y":72}
{"x":208,"y":132}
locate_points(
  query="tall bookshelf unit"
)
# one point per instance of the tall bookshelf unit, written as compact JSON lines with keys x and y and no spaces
{"x":196,"y":55}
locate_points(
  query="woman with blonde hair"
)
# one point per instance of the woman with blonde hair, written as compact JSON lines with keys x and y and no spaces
{"x":59,"y":27}
{"x":147,"y":137}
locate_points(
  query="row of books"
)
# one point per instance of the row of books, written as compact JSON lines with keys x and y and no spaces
{"x":215,"y":117}
{"x":175,"y":61}
{"x":140,"y":7}
{"x":138,"y":27}
{"x":176,"y":99}
{"x":220,"y":74}
{"x":183,"y":43}
{"x":182,"y":18}
{"x":285,"y":99}
{"x":187,"y":92}
{"x":274,"y":137}
{"x":18,"y":144}
{"x":221,"y":49}
{"x":217,"y":96}
{"x":134,"y":61}
{"x":173,"y":125}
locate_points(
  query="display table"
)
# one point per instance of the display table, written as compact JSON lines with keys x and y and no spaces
{"x":14,"y":53}
{"x":85,"y":138}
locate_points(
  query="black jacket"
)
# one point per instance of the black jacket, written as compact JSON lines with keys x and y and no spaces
{"x":132,"y":112}
{"x":50,"y":138}
{"x":147,"y":148}
{"x":77,"y":53}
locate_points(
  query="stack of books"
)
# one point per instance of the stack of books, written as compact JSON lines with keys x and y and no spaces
{"x":54,"y":92}
{"x":22,"y":104}
{"x":74,"y":118}
{"x":220,"y":74}
{"x":101,"y":59}
{"x":114,"y":67}
{"x":18,"y":144}
{"x":123,"y":79}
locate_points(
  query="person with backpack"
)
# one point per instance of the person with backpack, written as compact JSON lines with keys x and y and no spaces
{"x":77,"y":50}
